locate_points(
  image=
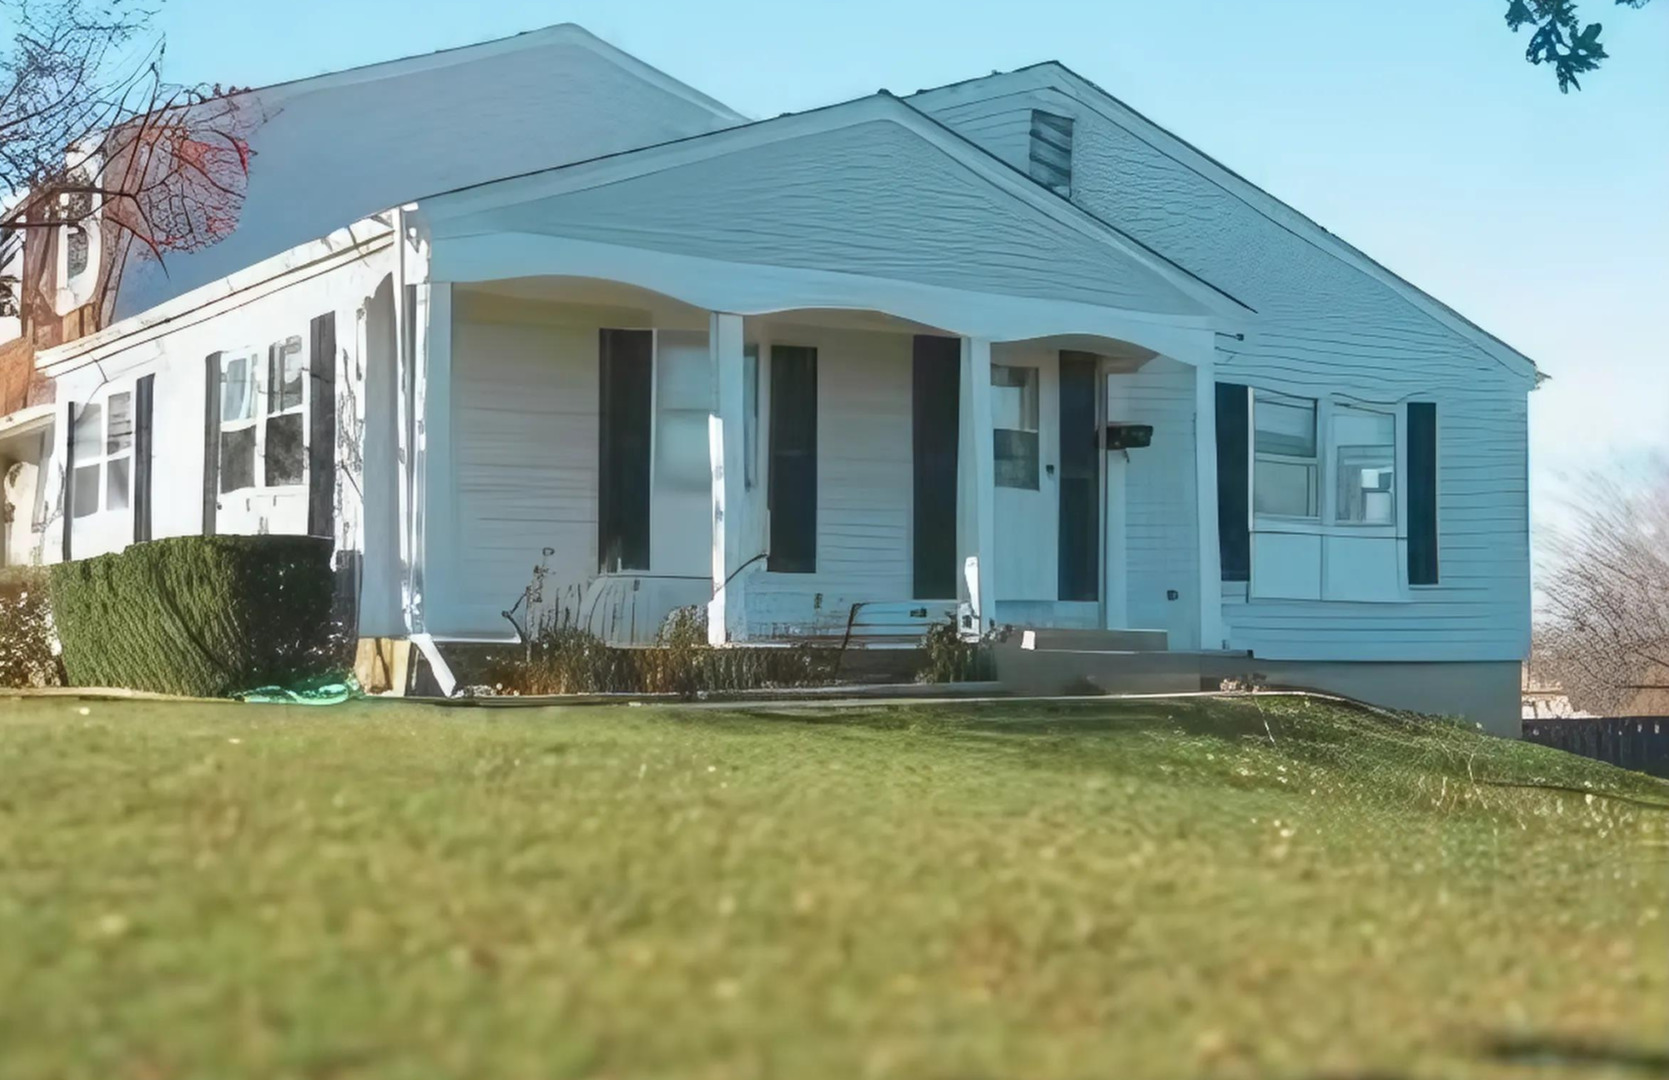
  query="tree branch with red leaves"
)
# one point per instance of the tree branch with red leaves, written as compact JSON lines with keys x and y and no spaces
{"x":90,"y":129}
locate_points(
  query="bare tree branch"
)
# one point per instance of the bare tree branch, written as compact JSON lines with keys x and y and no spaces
{"x":1605,"y":634}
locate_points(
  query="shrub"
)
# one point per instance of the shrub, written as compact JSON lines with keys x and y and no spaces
{"x":206,"y":616}
{"x":947,"y":657}
{"x":28,"y":645}
{"x":564,"y":659}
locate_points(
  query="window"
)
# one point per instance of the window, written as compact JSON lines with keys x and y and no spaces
{"x":286,"y":424}
{"x":79,"y":219}
{"x":1286,"y":463}
{"x":103,"y":456}
{"x":1051,"y":151}
{"x":1326,"y":482}
{"x":1365,"y":464}
{"x":11,"y":271}
{"x":263,"y":418}
{"x":1014,"y":412}
{"x":78,"y":251}
{"x":238,"y":436}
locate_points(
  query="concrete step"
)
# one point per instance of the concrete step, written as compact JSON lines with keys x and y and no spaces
{"x":1102,"y":671}
{"x":1119,"y":641}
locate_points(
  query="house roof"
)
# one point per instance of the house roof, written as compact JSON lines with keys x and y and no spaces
{"x":1056,"y":75}
{"x":1011,"y":185}
{"x":330,"y":150}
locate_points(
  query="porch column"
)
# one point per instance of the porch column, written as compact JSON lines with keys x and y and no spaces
{"x":1212,"y":635}
{"x":976,"y":488}
{"x":436,"y":516}
{"x":727,"y":611}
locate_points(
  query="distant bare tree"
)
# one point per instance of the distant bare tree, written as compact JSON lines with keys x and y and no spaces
{"x":1606,"y":591}
{"x":88,"y":127}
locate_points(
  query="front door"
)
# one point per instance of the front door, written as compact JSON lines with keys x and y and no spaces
{"x":1024,"y":417}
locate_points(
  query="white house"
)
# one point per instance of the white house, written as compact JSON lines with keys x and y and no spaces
{"x":1003,"y":344}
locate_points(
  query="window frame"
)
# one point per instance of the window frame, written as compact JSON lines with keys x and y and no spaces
{"x":1316,"y":462}
{"x":1326,"y":521}
{"x":260,"y":361}
{"x":1397,"y":415}
{"x":1327,"y":526}
{"x":1036,"y":430}
{"x":303,"y":408}
{"x":106,"y":456}
{"x":77,"y":289}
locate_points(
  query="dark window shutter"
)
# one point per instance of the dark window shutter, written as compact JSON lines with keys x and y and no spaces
{"x":211,"y":442}
{"x":1422,"y":493}
{"x":1234,"y":531}
{"x":935,"y":406}
{"x":321,"y":428}
{"x":143,"y":453}
{"x":624,"y":433}
{"x":792,"y":489}
{"x":69,"y":476}
{"x":1079,"y":571}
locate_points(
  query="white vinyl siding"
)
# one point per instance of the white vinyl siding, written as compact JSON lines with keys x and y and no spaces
{"x":1161,"y":533}
{"x":864,"y":483}
{"x":524,"y":437}
{"x":1324,"y":328}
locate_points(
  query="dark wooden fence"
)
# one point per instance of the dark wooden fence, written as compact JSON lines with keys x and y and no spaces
{"x":1633,"y":742}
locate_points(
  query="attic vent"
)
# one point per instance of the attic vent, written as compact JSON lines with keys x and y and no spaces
{"x":1051,"y":156}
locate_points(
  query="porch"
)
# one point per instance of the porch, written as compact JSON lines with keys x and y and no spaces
{"x":601,"y":453}
{"x":832,"y":373}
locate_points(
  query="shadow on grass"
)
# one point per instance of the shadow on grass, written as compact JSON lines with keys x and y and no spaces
{"x":1556,"y":1051}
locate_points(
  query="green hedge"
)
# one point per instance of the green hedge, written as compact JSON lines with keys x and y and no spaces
{"x":207,"y":616}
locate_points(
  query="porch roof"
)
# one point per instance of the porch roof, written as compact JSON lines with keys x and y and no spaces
{"x":790,"y":210}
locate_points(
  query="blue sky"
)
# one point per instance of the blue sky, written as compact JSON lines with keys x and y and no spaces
{"x":1414,"y":130}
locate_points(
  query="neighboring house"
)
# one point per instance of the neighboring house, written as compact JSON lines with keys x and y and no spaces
{"x":1004,"y":348}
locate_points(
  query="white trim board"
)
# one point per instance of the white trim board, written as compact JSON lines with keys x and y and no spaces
{"x":360,"y":240}
{"x":747,"y":289}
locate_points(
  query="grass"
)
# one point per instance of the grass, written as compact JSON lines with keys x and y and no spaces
{"x":1142,"y":889}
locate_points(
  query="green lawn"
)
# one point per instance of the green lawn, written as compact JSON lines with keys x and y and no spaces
{"x":1141,"y":889}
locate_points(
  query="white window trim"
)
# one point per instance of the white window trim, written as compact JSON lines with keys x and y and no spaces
{"x":105,"y":457}
{"x":260,"y":359}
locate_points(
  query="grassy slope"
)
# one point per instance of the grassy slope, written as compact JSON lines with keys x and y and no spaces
{"x":1137,"y":889}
